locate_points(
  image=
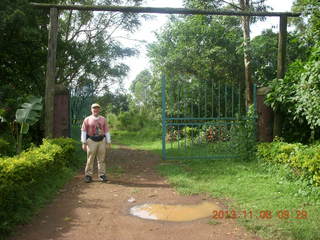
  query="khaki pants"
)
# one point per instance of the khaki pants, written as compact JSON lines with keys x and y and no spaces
{"x":96,"y":150}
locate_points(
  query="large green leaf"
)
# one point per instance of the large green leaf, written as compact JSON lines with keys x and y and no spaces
{"x":24,"y":128}
{"x":29,"y":113}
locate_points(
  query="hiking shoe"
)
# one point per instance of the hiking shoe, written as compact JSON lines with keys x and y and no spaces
{"x":103,"y":178}
{"x":88,"y":179}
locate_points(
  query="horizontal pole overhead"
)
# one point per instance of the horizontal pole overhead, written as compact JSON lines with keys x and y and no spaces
{"x":127,"y":9}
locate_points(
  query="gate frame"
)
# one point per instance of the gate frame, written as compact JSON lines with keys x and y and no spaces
{"x":164,"y":120}
{"x":53,"y":32}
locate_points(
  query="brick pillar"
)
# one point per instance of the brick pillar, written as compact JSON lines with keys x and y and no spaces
{"x":61,"y":112}
{"x":265,"y":116}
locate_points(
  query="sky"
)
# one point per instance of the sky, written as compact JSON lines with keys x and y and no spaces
{"x":145,"y":34}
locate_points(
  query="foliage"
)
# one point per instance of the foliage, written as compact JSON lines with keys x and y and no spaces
{"x":131,"y":120}
{"x":89,"y":50}
{"x":23,"y":53}
{"x":111,"y":103}
{"x":141,"y":88}
{"x":217,"y":138}
{"x":246,"y":6}
{"x":308,"y":25}
{"x":191,"y":132}
{"x":243,"y":135}
{"x":27,"y":116}
{"x":264,"y":55}
{"x":4,"y":147}
{"x":2,"y":119}
{"x":295,"y":95}
{"x":87,"y":57}
{"x":115,"y":102}
{"x":8,"y":146}
{"x":69,"y":147}
{"x":31,"y":171}
{"x":195,"y":53}
{"x":199,"y":46}
{"x":112,"y":120}
{"x":304,"y":160}
{"x":308,"y":89}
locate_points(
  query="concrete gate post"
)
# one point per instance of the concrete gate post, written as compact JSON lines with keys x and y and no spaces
{"x":61,"y":123}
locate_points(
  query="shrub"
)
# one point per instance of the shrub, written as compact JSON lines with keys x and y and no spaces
{"x":304,"y":160}
{"x":4,"y":147}
{"x":191,"y":132}
{"x":24,"y":177}
{"x":216,"y":133}
{"x":112,"y":120}
{"x":131,"y":121}
{"x":7,"y":144}
{"x":68,"y":145}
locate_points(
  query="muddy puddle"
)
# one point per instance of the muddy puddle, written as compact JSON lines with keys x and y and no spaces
{"x":174,"y":213}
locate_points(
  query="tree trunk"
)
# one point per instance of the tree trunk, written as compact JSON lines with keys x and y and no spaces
{"x":281,"y":69}
{"x":244,"y":5}
{"x":51,"y":73}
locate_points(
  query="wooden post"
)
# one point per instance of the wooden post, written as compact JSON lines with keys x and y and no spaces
{"x":281,"y":68}
{"x":51,"y":73}
{"x":282,"y":47}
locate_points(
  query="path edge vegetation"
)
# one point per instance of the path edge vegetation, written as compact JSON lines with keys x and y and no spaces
{"x":274,"y":181}
{"x":33,"y":178}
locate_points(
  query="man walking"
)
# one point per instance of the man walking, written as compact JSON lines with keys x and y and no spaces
{"x":94,"y":137}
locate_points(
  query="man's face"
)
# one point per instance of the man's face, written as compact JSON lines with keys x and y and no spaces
{"x":95,"y":111}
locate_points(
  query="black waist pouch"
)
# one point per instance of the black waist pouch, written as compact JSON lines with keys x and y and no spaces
{"x":96,"y":138}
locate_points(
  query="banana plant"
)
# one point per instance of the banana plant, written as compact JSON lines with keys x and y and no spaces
{"x":2,"y":119}
{"x":27,"y":115}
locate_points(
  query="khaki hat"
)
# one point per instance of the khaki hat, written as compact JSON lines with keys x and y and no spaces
{"x":95,"y":105}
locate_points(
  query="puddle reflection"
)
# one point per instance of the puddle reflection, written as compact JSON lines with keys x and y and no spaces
{"x":175,"y":213}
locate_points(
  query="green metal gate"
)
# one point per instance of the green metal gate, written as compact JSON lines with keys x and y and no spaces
{"x":205,"y":120}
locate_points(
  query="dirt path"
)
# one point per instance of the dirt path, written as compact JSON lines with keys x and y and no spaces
{"x":101,"y":210}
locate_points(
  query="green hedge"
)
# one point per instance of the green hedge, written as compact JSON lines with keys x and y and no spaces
{"x":304,"y":160}
{"x":25,"y":178}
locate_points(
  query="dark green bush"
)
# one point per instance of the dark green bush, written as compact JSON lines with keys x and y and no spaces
{"x":24,"y":177}
{"x":4,"y":147}
{"x":131,"y":121}
{"x":304,"y":160}
{"x":7,"y":145}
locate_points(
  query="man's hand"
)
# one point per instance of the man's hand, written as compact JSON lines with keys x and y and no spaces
{"x":84,"y":147}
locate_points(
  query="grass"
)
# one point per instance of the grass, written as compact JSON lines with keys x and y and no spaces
{"x":276,"y":205}
{"x":141,"y":140}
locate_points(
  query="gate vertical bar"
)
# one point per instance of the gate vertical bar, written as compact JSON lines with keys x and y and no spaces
{"x":164,"y":126}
